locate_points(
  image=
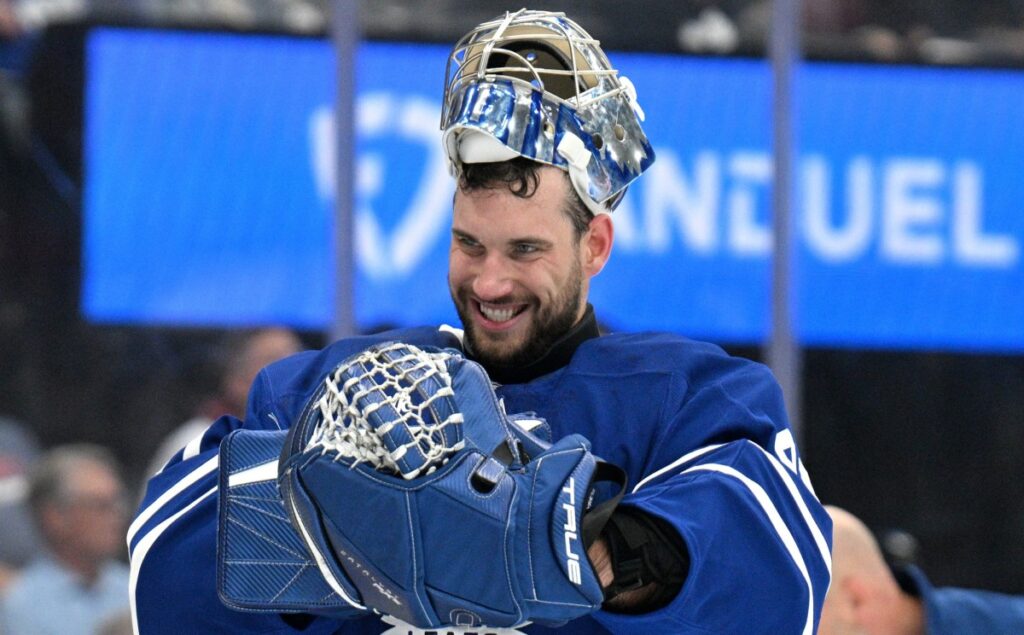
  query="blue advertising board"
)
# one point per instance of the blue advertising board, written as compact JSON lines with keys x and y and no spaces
{"x":199,"y":201}
{"x":209,"y":194}
{"x":911,"y":219}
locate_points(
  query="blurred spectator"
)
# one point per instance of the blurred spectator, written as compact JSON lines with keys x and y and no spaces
{"x":18,"y":542}
{"x":119,"y":624}
{"x":9,"y":27}
{"x":867,"y":597}
{"x":78,"y":504}
{"x":21,"y":17}
{"x":291,"y":15}
{"x":243,"y":355}
{"x":710,"y":32}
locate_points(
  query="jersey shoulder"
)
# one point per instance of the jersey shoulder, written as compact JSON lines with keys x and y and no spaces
{"x":690,"y":367}
{"x":659,"y":352}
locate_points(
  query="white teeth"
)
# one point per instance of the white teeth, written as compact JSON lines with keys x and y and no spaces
{"x":497,"y":315}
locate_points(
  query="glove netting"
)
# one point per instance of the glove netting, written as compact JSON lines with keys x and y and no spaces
{"x":391,"y":407}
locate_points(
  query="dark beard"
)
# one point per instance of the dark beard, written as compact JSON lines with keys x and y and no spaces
{"x":549,"y":325}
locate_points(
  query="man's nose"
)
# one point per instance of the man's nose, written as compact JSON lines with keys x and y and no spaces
{"x":493,"y":279}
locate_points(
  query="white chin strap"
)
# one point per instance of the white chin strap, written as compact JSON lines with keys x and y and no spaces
{"x":473,"y":146}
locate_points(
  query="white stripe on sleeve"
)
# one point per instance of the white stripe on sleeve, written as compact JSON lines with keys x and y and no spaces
{"x":784,"y":475}
{"x":192,"y":447}
{"x":781,"y":529}
{"x":787,"y":479}
{"x":164,"y":498}
{"x":686,"y":458}
{"x":143,"y":548}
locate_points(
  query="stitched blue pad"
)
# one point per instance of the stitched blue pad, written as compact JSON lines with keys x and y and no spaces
{"x":262,"y":563}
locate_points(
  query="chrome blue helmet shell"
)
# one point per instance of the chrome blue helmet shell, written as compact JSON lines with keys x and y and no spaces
{"x":536,"y":85}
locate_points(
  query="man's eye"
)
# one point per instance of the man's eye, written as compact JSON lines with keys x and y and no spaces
{"x":525,"y":248}
{"x":465,"y":241}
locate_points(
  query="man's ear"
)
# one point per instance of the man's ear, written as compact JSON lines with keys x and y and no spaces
{"x":597,"y":244}
{"x":838,"y":614}
{"x":857,"y":589}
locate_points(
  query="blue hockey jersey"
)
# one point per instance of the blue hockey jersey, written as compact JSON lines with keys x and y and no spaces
{"x":703,"y":437}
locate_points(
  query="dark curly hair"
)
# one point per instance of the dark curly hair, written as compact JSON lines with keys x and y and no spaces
{"x":520,"y":176}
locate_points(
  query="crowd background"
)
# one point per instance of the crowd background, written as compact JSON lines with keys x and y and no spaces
{"x":927,"y":441}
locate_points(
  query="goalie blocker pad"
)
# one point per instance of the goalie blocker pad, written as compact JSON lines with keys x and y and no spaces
{"x":492,"y":538}
{"x":263,"y":564}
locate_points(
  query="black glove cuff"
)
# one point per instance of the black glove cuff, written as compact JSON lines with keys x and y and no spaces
{"x":645,"y":550}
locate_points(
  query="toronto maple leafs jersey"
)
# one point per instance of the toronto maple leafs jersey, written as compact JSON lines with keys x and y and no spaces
{"x":703,"y":437}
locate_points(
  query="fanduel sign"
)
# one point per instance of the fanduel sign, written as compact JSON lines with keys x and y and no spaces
{"x":908,"y":222}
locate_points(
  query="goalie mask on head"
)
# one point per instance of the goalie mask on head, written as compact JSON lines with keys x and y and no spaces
{"x":534,"y":84}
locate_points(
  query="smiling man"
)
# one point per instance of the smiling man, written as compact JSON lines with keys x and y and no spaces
{"x":520,"y":275}
{"x":719,"y":531}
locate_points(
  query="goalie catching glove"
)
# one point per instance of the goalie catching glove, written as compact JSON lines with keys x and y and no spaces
{"x":416,"y":496}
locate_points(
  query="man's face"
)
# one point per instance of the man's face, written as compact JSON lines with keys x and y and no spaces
{"x":92,"y":518}
{"x":515,"y":272}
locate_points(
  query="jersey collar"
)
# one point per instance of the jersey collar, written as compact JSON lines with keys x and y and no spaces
{"x":559,"y":355}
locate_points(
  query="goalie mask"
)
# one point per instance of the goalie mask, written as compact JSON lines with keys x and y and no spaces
{"x":534,"y":84}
